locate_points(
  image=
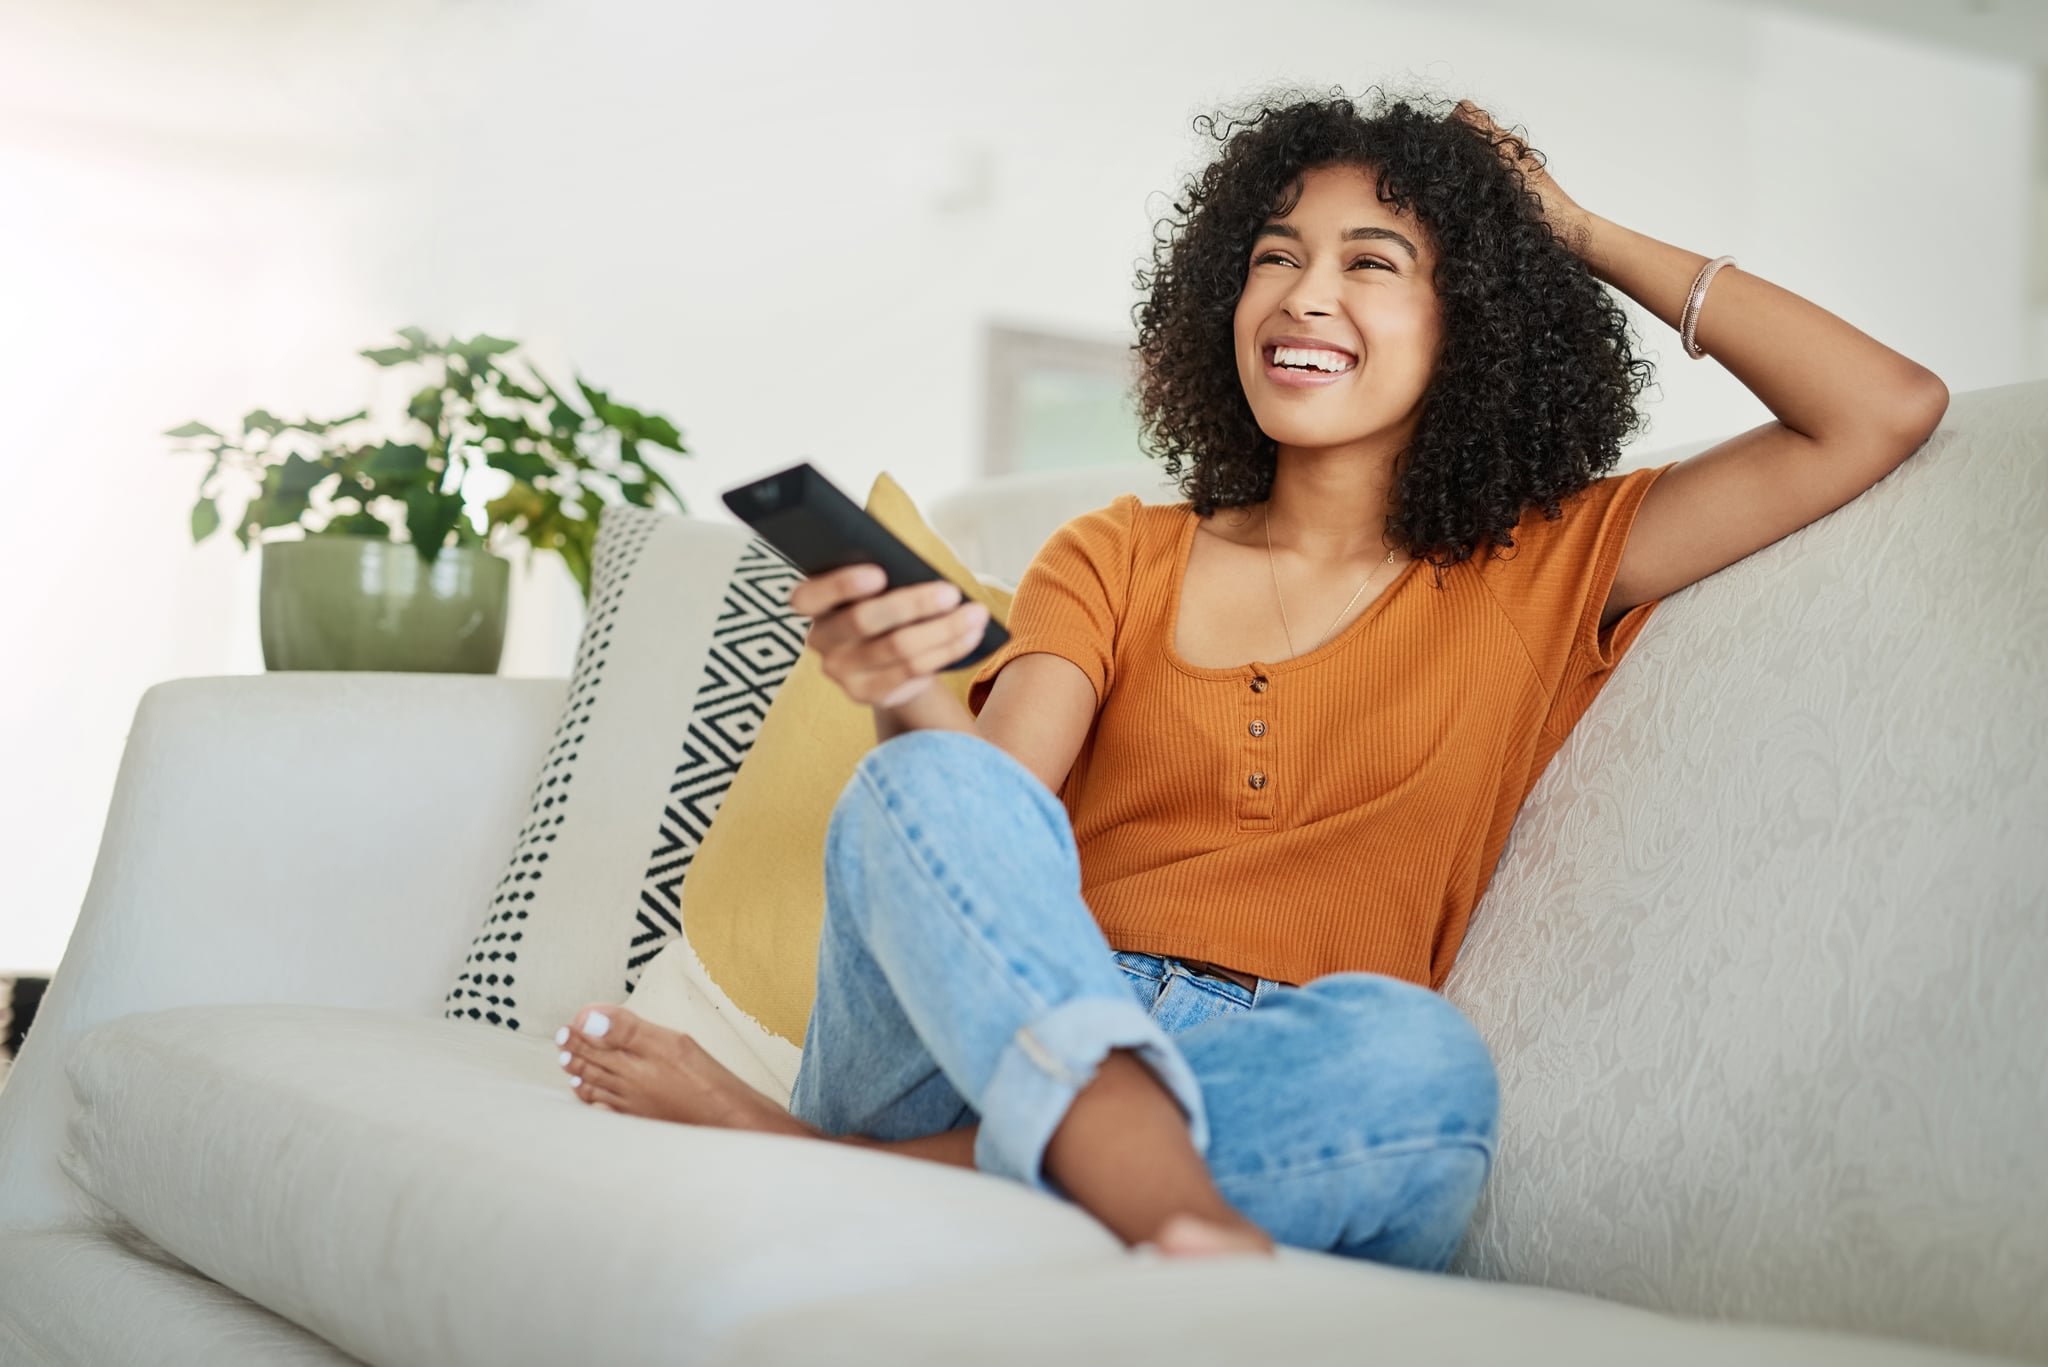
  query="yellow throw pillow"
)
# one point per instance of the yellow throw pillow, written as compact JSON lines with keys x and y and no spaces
{"x":755,"y":896}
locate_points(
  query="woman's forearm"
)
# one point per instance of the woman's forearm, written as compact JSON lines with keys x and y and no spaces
{"x":935,"y":709}
{"x":1817,"y":374}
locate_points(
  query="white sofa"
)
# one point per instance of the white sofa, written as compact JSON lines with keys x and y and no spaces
{"x":1762,"y":966}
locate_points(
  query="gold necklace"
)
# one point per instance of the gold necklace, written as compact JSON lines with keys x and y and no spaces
{"x":1266,"y":521}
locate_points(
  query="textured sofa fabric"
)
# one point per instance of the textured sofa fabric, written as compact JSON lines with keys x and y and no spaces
{"x":424,"y":1191}
{"x":1760,"y":968}
{"x":103,"y":1298}
{"x":1763,"y":963}
{"x":320,"y":839}
{"x":421,"y":1192}
{"x":1311,"y":1311}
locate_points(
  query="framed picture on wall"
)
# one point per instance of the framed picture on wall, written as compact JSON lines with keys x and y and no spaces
{"x":1057,"y":402}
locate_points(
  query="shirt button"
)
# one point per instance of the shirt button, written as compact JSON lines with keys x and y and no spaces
{"x":1258,"y":728}
{"x":1258,"y":780}
{"x":1259,"y":684}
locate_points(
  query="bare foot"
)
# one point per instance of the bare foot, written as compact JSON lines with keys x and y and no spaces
{"x":619,"y":1062}
{"x":1191,"y":1236}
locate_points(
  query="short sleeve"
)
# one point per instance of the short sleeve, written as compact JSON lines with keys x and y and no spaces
{"x":1555,"y":586}
{"x":1071,"y":599}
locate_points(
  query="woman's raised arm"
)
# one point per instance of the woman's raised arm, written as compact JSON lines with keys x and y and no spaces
{"x":1848,"y":408}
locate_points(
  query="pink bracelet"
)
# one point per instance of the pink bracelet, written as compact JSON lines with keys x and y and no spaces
{"x":1689,"y":319}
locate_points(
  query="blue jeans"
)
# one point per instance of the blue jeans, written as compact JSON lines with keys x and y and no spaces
{"x":962,"y":976}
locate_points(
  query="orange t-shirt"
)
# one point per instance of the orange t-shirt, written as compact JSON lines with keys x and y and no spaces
{"x":1395,"y":756}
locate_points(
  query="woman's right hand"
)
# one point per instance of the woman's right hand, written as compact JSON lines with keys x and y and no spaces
{"x":885,"y":648}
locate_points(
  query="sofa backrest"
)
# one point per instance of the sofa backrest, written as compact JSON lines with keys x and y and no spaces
{"x":1762,"y":964}
{"x":997,"y":524}
{"x":1765,"y":962}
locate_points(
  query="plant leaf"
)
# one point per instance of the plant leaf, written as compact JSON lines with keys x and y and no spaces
{"x":662,"y":432}
{"x":511,"y":431}
{"x":661,"y":482}
{"x":512,"y":389}
{"x":262,"y":420}
{"x":356,"y":524}
{"x":190,"y":430}
{"x":574,"y":545}
{"x":426,"y":406}
{"x":348,"y":486}
{"x":297,"y":476}
{"x":274,"y":510}
{"x":482,"y":345}
{"x":395,"y":460}
{"x":599,"y":401}
{"x":429,"y":517}
{"x":520,"y":464}
{"x":205,"y":519}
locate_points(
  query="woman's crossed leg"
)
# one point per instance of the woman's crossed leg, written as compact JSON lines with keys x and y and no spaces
{"x":1354,"y":1114}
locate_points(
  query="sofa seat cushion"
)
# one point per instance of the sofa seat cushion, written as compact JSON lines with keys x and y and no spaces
{"x":1302,"y":1309}
{"x":416,"y":1190}
{"x":94,"y":1298}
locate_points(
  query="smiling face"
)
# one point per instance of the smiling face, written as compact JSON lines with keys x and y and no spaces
{"x":1338,"y":328}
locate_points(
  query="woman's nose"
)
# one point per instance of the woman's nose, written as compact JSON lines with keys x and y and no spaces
{"x":1310,"y":297}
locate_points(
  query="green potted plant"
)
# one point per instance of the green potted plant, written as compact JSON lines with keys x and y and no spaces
{"x":396,"y":565}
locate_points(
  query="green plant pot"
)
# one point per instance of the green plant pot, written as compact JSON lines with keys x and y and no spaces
{"x":353,"y":602}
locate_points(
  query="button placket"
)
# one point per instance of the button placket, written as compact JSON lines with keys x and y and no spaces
{"x":1255,"y":799}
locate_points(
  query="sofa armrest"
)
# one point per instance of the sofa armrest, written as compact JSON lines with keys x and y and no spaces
{"x":314,"y":838}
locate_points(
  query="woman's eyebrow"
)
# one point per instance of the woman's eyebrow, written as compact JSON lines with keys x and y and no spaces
{"x":1351,"y":235}
{"x":1383,"y":235}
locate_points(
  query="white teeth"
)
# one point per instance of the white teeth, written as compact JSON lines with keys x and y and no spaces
{"x":1334,"y":362}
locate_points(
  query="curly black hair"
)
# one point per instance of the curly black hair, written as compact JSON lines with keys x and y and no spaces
{"x":1535,"y":387}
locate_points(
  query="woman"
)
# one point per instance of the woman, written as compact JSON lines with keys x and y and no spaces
{"x":1195,"y":992}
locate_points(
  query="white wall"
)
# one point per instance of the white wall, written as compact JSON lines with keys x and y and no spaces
{"x":786,"y":227}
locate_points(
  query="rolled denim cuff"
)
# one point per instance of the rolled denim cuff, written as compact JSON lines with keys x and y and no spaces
{"x":1047,"y":1063}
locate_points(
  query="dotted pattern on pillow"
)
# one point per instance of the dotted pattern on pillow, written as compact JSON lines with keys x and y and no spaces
{"x":754,"y":645}
{"x":483,"y":991}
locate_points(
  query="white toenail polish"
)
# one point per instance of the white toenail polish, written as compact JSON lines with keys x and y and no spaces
{"x":565,"y":1058}
{"x":575,"y":1082}
{"x":562,"y":1035}
{"x":597,"y":1025}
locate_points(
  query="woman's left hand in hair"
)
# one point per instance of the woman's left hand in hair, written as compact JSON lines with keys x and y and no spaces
{"x":1571,"y":223}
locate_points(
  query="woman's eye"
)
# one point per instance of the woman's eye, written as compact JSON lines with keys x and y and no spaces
{"x":1372,"y":261}
{"x":1274,"y":257}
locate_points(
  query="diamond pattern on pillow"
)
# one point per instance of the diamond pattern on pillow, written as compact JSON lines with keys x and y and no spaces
{"x":753,"y":647}
{"x":687,"y":640}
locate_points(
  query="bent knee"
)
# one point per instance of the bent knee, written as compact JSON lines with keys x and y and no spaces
{"x":937,"y":774}
{"x":1410,"y":1045}
{"x":1436,"y":1210}
{"x":931,"y":755}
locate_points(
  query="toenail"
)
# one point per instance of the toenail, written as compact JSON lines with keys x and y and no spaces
{"x":575,"y":1082}
{"x":562,"y":1035}
{"x":565,"y":1058}
{"x":597,"y":1025}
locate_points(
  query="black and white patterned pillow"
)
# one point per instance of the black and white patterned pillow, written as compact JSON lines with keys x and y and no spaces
{"x":688,"y":638}
{"x":19,"y":998}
